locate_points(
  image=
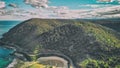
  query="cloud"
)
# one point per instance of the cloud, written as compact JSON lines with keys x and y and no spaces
{"x":94,"y":6}
{"x":2,"y":4}
{"x":99,"y":11}
{"x":106,"y":1}
{"x":37,"y":3}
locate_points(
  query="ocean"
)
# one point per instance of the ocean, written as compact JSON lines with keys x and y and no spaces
{"x":5,"y":57}
{"x":6,"y":25}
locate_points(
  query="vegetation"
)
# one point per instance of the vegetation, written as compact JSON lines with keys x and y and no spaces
{"x":101,"y":33}
{"x":36,"y":52}
{"x":87,"y":44}
{"x":112,"y":62}
{"x":43,"y":27}
{"x":90,"y":63}
{"x":32,"y":64}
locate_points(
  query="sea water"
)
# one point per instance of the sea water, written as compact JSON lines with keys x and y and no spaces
{"x":5,"y":57}
{"x":6,"y":25}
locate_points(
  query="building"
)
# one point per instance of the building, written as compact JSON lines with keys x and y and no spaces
{"x":2,"y":4}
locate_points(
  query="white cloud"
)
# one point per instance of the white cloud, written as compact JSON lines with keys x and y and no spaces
{"x":105,"y":0}
{"x":60,"y":12}
{"x":2,"y":4}
{"x":37,"y":3}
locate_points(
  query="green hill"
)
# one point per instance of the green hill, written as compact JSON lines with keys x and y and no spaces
{"x":87,"y":44}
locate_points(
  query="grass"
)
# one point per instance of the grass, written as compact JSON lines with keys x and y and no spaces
{"x":37,"y":66}
{"x":43,"y":27}
{"x":112,"y":62}
{"x":91,"y":63}
{"x":102,"y":35}
{"x":32,"y":64}
{"x":105,"y":36}
{"x":36,"y":52}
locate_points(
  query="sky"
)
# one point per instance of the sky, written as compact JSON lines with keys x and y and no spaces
{"x":60,"y":9}
{"x":72,"y":4}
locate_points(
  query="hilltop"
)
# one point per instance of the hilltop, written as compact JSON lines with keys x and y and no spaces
{"x":88,"y":45}
{"x":113,"y":23}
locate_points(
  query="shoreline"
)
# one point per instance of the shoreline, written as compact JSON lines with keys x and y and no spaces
{"x":12,"y":64}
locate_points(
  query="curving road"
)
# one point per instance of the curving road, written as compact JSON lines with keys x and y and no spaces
{"x":56,"y":61}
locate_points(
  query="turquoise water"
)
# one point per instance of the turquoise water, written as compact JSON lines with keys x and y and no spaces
{"x":6,"y":25}
{"x":5,"y":57}
{"x":72,"y":4}
{"x":4,"y":52}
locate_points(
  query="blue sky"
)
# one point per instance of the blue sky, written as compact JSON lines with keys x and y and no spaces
{"x":73,"y":4}
{"x":20,"y":3}
{"x":79,"y":9}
